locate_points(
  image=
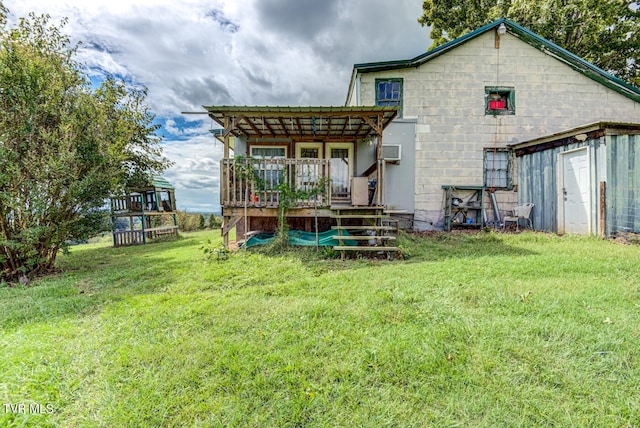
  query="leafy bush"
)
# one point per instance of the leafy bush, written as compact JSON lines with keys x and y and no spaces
{"x":64,"y":146}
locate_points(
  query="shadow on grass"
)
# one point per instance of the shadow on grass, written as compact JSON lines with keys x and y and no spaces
{"x":440,"y":246}
{"x":414,"y":248}
{"x":90,"y":278}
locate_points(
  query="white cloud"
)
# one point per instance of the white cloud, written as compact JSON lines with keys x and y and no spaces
{"x":244,"y":52}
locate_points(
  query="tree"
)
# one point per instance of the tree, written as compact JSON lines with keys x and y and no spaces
{"x":187,"y":222}
{"x":603,"y":32}
{"x":64,"y":148}
{"x":201,"y":221}
{"x":214,"y":221}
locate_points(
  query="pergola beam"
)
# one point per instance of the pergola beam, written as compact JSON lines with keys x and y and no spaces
{"x":346,"y":122}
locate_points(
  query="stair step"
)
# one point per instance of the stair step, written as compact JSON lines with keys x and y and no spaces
{"x":359,"y":216}
{"x":362,"y":207}
{"x":370,"y":227}
{"x":361,"y":238}
{"x":356,"y":248}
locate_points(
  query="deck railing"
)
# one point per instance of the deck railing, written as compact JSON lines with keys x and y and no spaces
{"x":126,"y":203}
{"x":134,"y":203}
{"x":136,"y":237}
{"x":262,"y":183}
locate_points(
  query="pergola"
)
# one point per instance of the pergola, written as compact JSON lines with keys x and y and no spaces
{"x":327,"y":124}
{"x":302,"y":123}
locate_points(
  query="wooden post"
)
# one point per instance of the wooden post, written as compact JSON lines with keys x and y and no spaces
{"x":380,"y":161}
{"x":226,"y":137}
{"x":224,"y":184}
{"x":603,"y":208}
{"x":224,"y":231}
{"x":114,"y":230}
{"x":376,"y":126}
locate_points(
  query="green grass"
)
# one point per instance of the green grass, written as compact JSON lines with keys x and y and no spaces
{"x":471,"y":330}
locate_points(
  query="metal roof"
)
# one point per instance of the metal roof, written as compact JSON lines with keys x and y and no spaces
{"x":524,"y":34}
{"x":326,"y":123}
{"x":160,"y":182}
{"x":574,"y":135}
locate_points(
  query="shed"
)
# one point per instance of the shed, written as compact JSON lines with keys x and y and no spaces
{"x":585,"y":180}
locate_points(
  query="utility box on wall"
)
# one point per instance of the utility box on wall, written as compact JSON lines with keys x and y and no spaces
{"x":359,"y":191}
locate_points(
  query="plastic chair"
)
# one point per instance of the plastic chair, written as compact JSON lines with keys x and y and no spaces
{"x":519,"y":212}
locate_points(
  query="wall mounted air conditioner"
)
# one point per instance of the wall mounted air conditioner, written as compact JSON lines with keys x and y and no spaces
{"x":392,"y":152}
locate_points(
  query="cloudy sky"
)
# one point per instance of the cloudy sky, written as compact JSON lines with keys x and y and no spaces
{"x":231,"y":52}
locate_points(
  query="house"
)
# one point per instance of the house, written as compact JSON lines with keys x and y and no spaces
{"x":584,"y":180}
{"x":463,"y":105}
{"x":428,"y":141}
{"x":146,"y":212}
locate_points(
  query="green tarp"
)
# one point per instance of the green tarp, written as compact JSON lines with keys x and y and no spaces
{"x":303,"y":239}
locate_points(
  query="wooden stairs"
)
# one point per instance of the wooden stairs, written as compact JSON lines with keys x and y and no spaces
{"x":370,"y":226}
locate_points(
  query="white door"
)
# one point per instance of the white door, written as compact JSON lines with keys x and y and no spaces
{"x":340,"y":157}
{"x":576,"y":191}
{"x":308,"y":174}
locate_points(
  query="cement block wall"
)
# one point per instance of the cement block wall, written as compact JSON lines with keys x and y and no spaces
{"x":446,"y":96}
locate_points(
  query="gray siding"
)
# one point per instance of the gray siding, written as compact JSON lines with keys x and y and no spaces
{"x":623,"y":184}
{"x":400,"y":178}
{"x":538,"y":183}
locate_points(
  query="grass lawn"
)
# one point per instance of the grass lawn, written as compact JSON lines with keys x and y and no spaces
{"x":471,"y":330}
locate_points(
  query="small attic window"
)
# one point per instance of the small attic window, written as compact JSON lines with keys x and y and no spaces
{"x":500,"y":100}
{"x":389,"y":93}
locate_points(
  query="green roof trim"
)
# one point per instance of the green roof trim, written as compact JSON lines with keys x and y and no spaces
{"x":527,"y":36}
{"x":159,"y":181}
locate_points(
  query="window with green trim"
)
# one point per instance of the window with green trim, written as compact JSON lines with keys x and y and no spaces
{"x":499,"y":100}
{"x":389,"y":93}
{"x":497,"y":169}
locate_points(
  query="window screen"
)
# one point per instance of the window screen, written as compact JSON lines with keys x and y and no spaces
{"x":496,"y":168}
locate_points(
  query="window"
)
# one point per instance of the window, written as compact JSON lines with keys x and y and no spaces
{"x":389,"y":93}
{"x":499,"y":100}
{"x":497,"y":171}
{"x":270,"y":173}
{"x":268,"y":152}
{"x":309,"y":153}
{"x":165,"y":198}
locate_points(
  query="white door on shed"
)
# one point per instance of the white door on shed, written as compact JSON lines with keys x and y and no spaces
{"x":576,"y":191}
